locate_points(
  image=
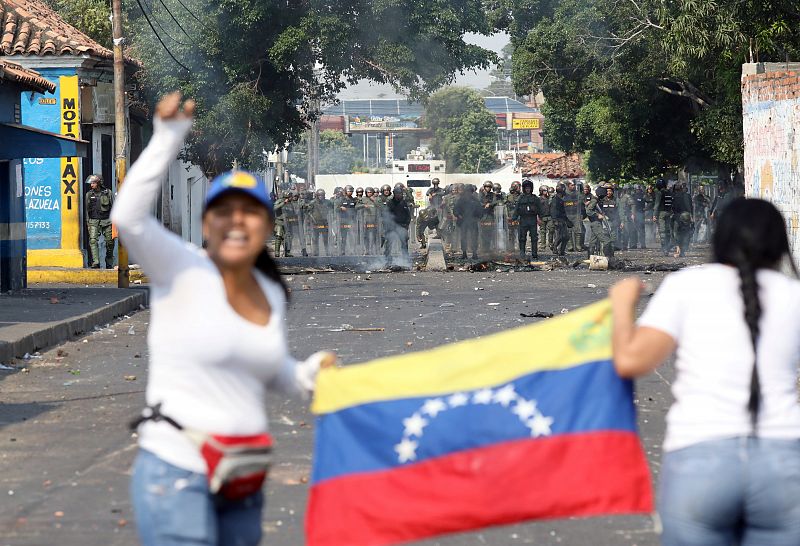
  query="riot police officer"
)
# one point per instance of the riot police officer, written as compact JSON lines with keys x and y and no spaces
{"x":527,"y":211}
{"x":561,"y":221}
{"x":346,"y":205}
{"x":319,"y":211}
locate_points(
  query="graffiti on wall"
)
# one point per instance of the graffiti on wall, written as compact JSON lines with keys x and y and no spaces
{"x":772,"y":145}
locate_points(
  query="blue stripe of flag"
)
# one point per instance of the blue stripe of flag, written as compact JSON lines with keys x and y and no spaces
{"x":586,"y":398}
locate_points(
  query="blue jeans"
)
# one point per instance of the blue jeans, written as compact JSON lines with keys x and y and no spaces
{"x":174,"y":507}
{"x":738,"y":491}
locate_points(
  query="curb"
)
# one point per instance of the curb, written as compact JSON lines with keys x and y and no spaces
{"x":58,"y":275}
{"x":59,"y":332}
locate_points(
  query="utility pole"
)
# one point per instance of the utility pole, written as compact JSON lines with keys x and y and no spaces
{"x":120,"y":133}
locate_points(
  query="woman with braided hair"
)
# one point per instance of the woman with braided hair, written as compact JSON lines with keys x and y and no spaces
{"x":730,"y":473}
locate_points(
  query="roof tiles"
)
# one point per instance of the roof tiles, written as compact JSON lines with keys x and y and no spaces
{"x":26,"y":78}
{"x":30,"y":27}
{"x":552,"y":165}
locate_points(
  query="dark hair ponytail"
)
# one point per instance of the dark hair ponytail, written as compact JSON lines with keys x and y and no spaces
{"x":751,"y":235}
{"x":269,"y":268}
{"x":752,"y":317}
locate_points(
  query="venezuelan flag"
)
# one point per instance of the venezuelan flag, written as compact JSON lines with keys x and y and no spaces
{"x":530,"y":423}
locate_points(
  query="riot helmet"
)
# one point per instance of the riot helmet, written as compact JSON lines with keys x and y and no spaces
{"x":497,"y":188}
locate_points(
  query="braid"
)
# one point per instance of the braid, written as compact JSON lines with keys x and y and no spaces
{"x":752,"y":316}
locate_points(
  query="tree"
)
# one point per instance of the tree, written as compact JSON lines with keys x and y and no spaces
{"x":336,"y":154}
{"x":92,"y":17}
{"x":502,"y":85}
{"x":464,"y":130}
{"x":644,"y":86}
{"x":260,"y":68}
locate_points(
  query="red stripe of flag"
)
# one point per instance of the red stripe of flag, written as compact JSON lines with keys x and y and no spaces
{"x":584,"y":474}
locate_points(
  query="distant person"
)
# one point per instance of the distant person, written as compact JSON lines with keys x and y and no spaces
{"x":730,"y":474}
{"x":396,"y":219}
{"x":217,"y":343}
{"x":467,"y":211}
{"x":98,"y":203}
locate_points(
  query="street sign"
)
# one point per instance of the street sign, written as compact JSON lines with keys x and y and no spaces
{"x":532,"y":123}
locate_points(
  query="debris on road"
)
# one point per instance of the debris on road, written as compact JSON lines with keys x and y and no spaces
{"x":351,"y":328}
{"x":537,"y":314}
{"x":129,"y":378}
{"x":6,"y":368}
{"x":54,"y":300}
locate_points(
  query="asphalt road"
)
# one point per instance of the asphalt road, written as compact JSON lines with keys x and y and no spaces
{"x":66,"y":450}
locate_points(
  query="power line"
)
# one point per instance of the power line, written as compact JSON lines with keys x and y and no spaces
{"x":196,"y":18}
{"x":174,"y":19}
{"x":139,"y":2}
{"x":164,"y":30}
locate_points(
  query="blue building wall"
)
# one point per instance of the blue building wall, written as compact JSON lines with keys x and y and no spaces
{"x":42,"y":175}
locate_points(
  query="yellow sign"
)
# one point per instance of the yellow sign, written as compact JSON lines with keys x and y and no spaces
{"x":48,"y":101}
{"x":70,"y":166}
{"x":532,"y":123}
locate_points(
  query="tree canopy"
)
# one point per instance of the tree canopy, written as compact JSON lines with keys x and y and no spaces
{"x":259,"y":69}
{"x":464,"y":130}
{"x":644,"y":86}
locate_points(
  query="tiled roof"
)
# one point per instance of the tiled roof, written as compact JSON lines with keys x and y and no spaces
{"x":30,"y":27}
{"x":28,"y":79}
{"x":552,"y":165}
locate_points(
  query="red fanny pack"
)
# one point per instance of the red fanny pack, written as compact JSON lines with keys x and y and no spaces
{"x":237,"y":466}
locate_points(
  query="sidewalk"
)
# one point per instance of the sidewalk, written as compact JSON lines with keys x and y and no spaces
{"x":41,"y":317}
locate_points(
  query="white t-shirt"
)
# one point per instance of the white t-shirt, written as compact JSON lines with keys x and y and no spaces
{"x":702,"y":309}
{"x":209,"y":367}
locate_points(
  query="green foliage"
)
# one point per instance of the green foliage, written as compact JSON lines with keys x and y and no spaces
{"x":336,"y":154}
{"x":646,"y":86}
{"x":464,"y":129}
{"x":92,"y":17}
{"x":289,"y":57}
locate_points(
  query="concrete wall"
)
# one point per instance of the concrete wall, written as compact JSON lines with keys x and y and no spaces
{"x":771,"y":102}
{"x":184,"y":192}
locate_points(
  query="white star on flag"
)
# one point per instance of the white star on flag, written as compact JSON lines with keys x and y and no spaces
{"x":540,"y":425}
{"x":406,"y":450}
{"x":483,"y":396}
{"x":524,"y":409}
{"x":505,"y":396}
{"x":434,"y":407}
{"x":414,"y":425}
{"x":457,"y":400}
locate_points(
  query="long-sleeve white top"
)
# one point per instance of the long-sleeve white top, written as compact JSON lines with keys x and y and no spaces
{"x":209,"y":367}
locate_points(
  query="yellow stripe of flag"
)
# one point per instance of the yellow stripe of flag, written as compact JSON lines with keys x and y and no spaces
{"x":569,"y":340}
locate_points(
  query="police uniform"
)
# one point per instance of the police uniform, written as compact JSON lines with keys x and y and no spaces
{"x":637,"y":233}
{"x":98,"y":211}
{"x":610,"y":210}
{"x":527,"y":210}
{"x":318,"y":212}
{"x":369,"y":210}
{"x":547,"y":228}
{"x":487,"y":222}
{"x":572,"y":208}
{"x":600,"y":235}
{"x":346,"y":208}
{"x":513,"y":223}
{"x":281,"y":235}
{"x":662,"y":211}
{"x":426,"y":219}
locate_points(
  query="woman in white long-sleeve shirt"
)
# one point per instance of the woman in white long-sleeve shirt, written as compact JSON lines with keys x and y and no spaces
{"x":730,"y":474}
{"x":217,"y":342}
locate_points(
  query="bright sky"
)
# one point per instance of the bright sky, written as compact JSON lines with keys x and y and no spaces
{"x":477,"y":79}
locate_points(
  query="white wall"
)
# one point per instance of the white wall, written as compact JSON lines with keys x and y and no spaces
{"x":184,"y":192}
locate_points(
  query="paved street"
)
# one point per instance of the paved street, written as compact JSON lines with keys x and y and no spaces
{"x":66,"y":450}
